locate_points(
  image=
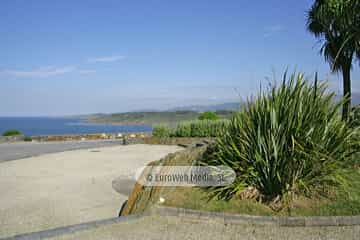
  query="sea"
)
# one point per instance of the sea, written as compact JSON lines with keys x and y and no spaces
{"x":38,"y":126}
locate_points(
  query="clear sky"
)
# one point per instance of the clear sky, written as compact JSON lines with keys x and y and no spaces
{"x":75,"y":57}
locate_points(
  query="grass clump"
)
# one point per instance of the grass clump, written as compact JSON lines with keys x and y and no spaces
{"x":11,"y":132}
{"x":289,"y":141}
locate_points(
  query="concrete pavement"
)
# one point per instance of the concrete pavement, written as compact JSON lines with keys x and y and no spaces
{"x":66,"y":188}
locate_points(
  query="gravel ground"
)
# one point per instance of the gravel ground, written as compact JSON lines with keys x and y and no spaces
{"x":18,"y":150}
{"x":156,"y":227}
{"x":67,"y":188}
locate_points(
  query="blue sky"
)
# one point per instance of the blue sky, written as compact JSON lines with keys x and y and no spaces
{"x":76,"y":57}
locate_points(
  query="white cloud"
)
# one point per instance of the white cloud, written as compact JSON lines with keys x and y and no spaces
{"x":270,"y":31}
{"x":106,"y":59}
{"x":41,"y":72}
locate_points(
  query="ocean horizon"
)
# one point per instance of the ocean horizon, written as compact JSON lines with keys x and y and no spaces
{"x":38,"y":126}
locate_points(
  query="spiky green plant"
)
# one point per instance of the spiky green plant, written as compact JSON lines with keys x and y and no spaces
{"x":289,"y":140}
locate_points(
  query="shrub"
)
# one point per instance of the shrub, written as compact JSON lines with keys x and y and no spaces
{"x":183,"y":129}
{"x":208,"y":116}
{"x":201,"y":128}
{"x":27,"y":139}
{"x":11,"y":132}
{"x":161,"y":131}
{"x":289,"y":140}
{"x":196,"y":128}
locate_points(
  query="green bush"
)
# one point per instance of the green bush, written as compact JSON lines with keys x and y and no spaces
{"x":183,"y":129}
{"x":11,"y":132}
{"x":27,"y":139}
{"x":196,"y":128}
{"x":161,"y":131}
{"x":290,"y":140}
{"x":208,"y":116}
{"x":201,"y":128}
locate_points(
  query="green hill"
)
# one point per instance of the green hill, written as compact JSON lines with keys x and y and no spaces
{"x":150,"y":118}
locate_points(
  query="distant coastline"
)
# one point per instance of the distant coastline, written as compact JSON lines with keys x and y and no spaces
{"x":44,"y":126}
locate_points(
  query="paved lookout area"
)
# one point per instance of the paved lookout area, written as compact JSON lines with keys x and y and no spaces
{"x":60,"y":189}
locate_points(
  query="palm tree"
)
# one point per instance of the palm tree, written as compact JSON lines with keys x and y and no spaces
{"x":337,"y":24}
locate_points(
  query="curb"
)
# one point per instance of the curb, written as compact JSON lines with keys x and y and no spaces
{"x":197,"y":216}
{"x":237,"y":219}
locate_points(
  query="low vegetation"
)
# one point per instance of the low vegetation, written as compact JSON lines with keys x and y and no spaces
{"x":11,"y":132}
{"x":143,"y":198}
{"x":196,"y":128}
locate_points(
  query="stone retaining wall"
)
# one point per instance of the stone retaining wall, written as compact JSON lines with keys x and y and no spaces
{"x":127,"y":138}
{"x":95,"y":136}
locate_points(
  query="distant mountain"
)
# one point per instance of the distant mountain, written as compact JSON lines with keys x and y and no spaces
{"x":203,"y":108}
{"x":175,"y":114}
{"x":231,"y":106}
